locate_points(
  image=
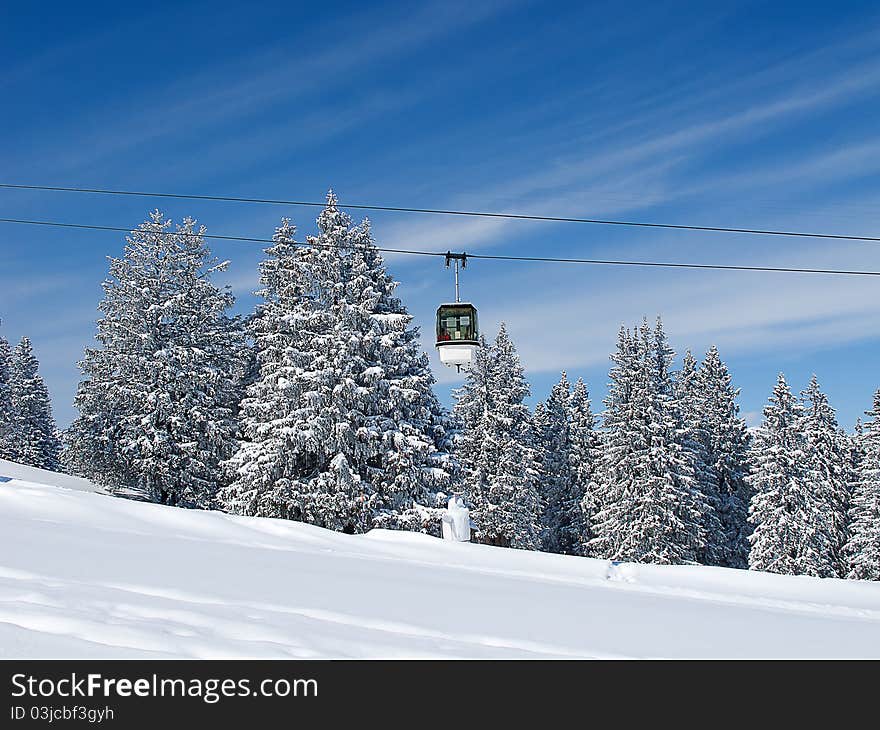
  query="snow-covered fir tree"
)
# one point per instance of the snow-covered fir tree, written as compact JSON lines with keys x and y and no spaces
{"x":562,"y":520}
{"x":539,"y":423}
{"x":856,"y":453}
{"x":469,"y":440}
{"x":341,"y":427}
{"x":32,"y":436}
{"x":720,"y":442}
{"x":279,"y":415}
{"x":586,"y":451}
{"x":862,"y":551}
{"x":827,"y":484}
{"x":157,"y":407}
{"x":6,"y":443}
{"x":728,"y":447}
{"x":855,"y":460}
{"x":495,"y":447}
{"x":651,"y":510}
{"x":404,"y":422}
{"x":617,"y":466}
{"x":781,"y":509}
{"x":690,"y":398}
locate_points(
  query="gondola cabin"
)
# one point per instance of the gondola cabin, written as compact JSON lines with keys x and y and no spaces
{"x":457,"y":334}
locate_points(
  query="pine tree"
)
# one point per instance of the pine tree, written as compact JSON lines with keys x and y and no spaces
{"x":158,"y":402}
{"x":691,"y":399}
{"x":780,"y":507}
{"x":539,"y":427}
{"x":6,"y":442}
{"x":862,"y":550}
{"x":856,"y":453}
{"x":403,"y":419}
{"x":32,"y":433}
{"x":615,"y":469}
{"x":562,"y":519}
{"x":341,"y":426}
{"x":297,"y":424}
{"x":721,"y":442}
{"x":283,"y":420}
{"x":651,"y":510}
{"x":336,"y":402}
{"x":586,"y":450}
{"x":729,"y":448}
{"x":495,"y":447}
{"x":828,"y":490}
{"x":469,"y":439}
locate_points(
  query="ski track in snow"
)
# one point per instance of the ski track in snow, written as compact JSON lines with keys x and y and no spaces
{"x":87,"y":575}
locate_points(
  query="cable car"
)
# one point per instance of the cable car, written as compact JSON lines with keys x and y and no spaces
{"x":458,"y":334}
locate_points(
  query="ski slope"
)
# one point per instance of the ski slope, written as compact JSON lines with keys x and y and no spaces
{"x":19,"y":472}
{"x":83,"y":574}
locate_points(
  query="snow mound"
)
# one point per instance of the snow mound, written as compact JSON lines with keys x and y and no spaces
{"x":87,"y":575}
{"x":19,"y":472}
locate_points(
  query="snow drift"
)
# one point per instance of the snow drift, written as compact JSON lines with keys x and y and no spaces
{"x":83,"y":574}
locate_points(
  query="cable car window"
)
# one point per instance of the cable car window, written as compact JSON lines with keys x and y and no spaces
{"x":456,"y":323}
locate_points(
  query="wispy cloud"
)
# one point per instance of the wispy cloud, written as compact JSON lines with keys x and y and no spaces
{"x":254,"y":85}
{"x":743,"y":313}
{"x":791,"y":175}
{"x":17,"y":289}
{"x":642,"y":169}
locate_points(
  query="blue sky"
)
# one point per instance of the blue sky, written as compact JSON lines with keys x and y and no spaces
{"x":731,"y":114}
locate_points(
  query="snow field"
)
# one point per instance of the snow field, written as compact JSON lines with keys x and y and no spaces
{"x":88,"y":575}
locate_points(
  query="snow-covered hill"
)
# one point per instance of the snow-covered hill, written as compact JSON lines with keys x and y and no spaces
{"x":83,"y":574}
{"x":19,"y":472}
